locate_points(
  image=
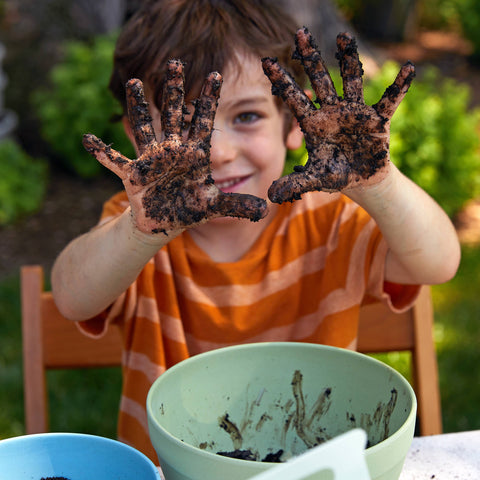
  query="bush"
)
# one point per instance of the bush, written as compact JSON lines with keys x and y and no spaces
{"x":427,"y":14}
{"x":469,"y":17}
{"x":22,"y":183}
{"x":434,"y":136}
{"x":79,"y":102}
{"x":438,"y":14}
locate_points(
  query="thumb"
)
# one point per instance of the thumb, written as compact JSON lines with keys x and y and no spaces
{"x":239,"y":205}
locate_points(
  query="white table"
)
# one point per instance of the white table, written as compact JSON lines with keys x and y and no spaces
{"x":450,"y":456}
{"x":444,"y":457}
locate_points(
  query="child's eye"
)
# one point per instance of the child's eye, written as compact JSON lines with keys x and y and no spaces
{"x":247,"y":117}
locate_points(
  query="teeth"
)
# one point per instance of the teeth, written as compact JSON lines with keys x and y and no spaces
{"x":227,"y":183}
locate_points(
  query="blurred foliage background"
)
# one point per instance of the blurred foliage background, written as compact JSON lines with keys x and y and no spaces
{"x":57,"y":64}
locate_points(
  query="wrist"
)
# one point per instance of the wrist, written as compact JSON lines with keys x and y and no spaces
{"x":152,"y":239}
{"x":380,"y":190}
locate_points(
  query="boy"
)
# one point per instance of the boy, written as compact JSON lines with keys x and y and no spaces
{"x":205,"y":248}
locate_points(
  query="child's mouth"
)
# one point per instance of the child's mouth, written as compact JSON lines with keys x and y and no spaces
{"x":230,"y":184}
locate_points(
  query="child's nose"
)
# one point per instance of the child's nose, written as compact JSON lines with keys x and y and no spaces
{"x":223,"y":149}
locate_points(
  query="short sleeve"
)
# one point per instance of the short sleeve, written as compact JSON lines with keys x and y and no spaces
{"x":97,"y":326}
{"x":398,"y":297}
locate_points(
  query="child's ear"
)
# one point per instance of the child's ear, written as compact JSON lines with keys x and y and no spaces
{"x":295,"y":136}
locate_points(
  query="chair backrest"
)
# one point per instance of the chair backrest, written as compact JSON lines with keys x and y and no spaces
{"x":381,"y":330}
{"x":52,"y":342}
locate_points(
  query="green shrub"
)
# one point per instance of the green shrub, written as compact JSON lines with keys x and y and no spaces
{"x":437,"y":14}
{"x":429,"y":14}
{"x":469,"y":17}
{"x":79,"y":102}
{"x":22,"y":182}
{"x":434,"y":135}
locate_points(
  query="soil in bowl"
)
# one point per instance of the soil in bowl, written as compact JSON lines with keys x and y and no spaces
{"x":54,"y":478}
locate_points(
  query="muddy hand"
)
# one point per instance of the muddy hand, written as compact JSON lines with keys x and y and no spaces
{"x":347,"y":141}
{"x":169,"y":185}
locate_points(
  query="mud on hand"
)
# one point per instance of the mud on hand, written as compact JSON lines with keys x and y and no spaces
{"x":347,"y":141}
{"x":169,"y":185}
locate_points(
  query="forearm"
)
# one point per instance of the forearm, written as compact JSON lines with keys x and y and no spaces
{"x":423,"y":245}
{"x":94,"y":269}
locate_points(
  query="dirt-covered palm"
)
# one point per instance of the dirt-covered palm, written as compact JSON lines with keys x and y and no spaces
{"x":347,"y":141}
{"x":169,"y":185}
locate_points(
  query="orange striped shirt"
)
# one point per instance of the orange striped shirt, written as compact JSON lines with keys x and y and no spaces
{"x":303,"y":280}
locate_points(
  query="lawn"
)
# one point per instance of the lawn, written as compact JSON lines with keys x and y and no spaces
{"x":87,"y":401}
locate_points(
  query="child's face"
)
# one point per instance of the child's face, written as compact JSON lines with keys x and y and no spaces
{"x":251,"y":133}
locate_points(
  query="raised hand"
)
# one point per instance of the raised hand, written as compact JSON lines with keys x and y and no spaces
{"x":347,"y":141}
{"x":169,"y":185}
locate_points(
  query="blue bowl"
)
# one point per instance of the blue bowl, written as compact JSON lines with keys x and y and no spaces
{"x":74,"y":456}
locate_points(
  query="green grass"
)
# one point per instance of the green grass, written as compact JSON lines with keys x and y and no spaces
{"x":457,"y":338}
{"x":84,"y":401}
{"x":87,"y":400}
{"x":11,"y":390}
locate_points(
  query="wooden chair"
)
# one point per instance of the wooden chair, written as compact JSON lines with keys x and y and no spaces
{"x":381,"y":330}
{"x":51,"y":342}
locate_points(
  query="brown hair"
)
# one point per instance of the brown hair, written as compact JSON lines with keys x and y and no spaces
{"x":204,"y":34}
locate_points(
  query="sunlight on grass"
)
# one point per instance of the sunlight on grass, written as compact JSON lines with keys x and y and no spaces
{"x":400,"y":361}
{"x":457,"y":337}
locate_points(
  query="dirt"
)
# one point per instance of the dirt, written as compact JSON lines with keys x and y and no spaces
{"x":346,"y":140}
{"x":54,"y":478}
{"x":249,"y":455}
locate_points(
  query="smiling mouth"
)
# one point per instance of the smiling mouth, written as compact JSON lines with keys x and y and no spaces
{"x":228,"y":184}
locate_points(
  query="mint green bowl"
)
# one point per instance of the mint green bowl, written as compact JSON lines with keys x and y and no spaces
{"x":267,"y":397}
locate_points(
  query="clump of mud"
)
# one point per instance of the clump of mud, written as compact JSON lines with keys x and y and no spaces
{"x":54,"y":478}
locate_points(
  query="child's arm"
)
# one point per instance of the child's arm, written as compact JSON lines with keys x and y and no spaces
{"x":348,"y":147}
{"x":169,"y":188}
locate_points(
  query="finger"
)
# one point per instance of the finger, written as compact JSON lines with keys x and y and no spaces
{"x":205,"y":109}
{"x":106,"y":155}
{"x":307,"y":52}
{"x":291,"y":187}
{"x":350,"y":68}
{"x":394,"y":94}
{"x":239,"y":205}
{"x":173,"y":99}
{"x":284,"y":85}
{"x":138,"y":115}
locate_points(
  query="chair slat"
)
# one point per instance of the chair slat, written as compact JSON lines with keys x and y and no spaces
{"x":66,"y":347}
